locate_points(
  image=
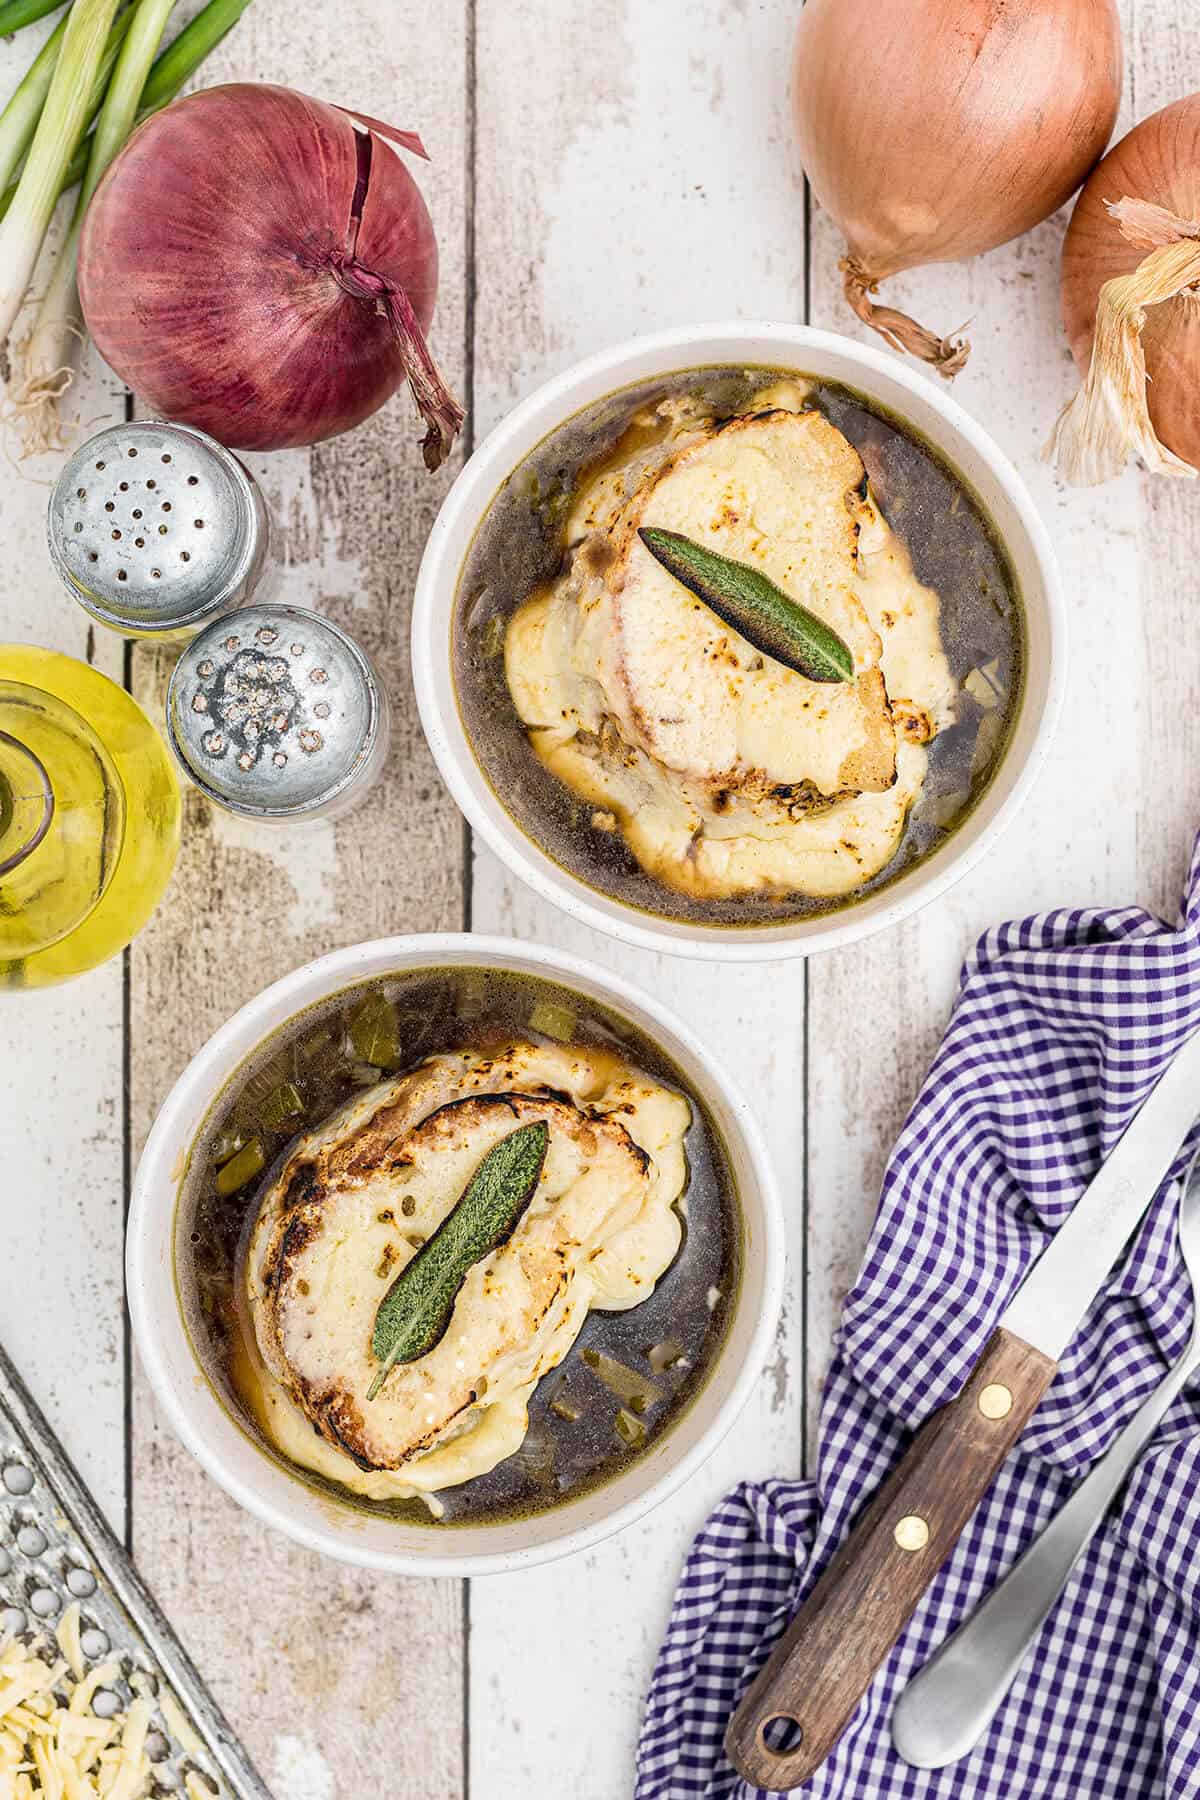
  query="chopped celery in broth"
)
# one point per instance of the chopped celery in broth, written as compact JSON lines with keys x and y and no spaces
{"x":226,"y":1144}
{"x":241,"y":1168}
{"x":375,"y":1031}
{"x":472,"y":993}
{"x":282,"y":1106}
{"x":664,"y":1356}
{"x":634,"y":1389}
{"x":553,"y":1021}
{"x":630,"y":1429}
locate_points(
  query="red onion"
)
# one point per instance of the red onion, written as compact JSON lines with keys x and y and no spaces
{"x":257,"y":265}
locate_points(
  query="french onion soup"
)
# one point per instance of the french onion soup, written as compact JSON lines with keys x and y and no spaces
{"x":458,"y":1244}
{"x":734,"y":646}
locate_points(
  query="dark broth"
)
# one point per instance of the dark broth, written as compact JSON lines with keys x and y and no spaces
{"x":521,"y":544}
{"x":443,"y":1010}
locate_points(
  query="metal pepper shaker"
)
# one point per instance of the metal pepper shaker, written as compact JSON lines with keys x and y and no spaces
{"x":156,"y":528}
{"x":275,"y":713}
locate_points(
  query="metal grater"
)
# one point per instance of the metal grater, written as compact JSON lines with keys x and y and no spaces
{"x":156,"y":528}
{"x":55,"y":1548}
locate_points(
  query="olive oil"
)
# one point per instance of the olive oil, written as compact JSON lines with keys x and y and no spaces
{"x":89,"y":817}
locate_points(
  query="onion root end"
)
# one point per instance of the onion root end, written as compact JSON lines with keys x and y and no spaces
{"x":1109,"y":418}
{"x":945,"y":354}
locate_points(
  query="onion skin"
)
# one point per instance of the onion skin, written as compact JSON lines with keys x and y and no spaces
{"x":934,"y":130}
{"x":1158,"y":161}
{"x":213,"y":268}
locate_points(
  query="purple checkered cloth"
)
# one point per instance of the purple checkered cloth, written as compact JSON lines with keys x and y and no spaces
{"x":1062,"y":1024}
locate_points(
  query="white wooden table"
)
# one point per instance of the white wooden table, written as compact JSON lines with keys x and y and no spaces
{"x":597,"y":171}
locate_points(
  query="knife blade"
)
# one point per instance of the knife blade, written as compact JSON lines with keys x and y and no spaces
{"x":1050,"y":1303}
{"x":800,"y":1703}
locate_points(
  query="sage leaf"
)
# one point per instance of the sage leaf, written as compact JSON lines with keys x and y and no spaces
{"x":749,"y":602}
{"x":414,"y":1313}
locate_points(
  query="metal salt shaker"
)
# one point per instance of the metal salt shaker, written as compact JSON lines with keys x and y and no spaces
{"x":276,"y":714}
{"x":156,"y":529}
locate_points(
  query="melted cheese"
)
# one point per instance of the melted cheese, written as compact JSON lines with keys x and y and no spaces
{"x":355,"y":1200}
{"x":726,"y":772}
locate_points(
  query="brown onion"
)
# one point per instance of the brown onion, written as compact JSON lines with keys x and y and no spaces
{"x":257,"y":265}
{"x":1141,"y":393}
{"x":932,"y":130}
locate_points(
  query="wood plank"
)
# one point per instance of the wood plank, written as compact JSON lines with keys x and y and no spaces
{"x":1075,"y":843}
{"x":667,"y":195}
{"x":61,"y":1049}
{"x":1164,"y":56}
{"x":610,"y":1605}
{"x":330,"y":1674}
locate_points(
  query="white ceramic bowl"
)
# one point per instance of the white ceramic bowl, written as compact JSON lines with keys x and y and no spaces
{"x":911,"y":395}
{"x":235,"y":1458}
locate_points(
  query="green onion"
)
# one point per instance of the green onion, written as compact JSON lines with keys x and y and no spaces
{"x":59,"y":129}
{"x":176,"y":66}
{"x":58,"y":328}
{"x":18,"y":121}
{"x":24,"y":12}
{"x":184,"y":54}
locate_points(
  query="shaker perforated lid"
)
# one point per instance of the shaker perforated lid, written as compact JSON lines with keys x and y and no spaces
{"x":154,"y":528}
{"x":273,"y":711}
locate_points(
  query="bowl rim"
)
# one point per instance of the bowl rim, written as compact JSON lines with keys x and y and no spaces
{"x":489,"y":466}
{"x":173,"y":1366}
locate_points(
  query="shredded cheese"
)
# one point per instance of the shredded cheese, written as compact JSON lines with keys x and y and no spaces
{"x":52,"y":1745}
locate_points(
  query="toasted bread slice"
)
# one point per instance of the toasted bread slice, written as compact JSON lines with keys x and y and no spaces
{"x":778,"y":491}
{"x":355,"y":1200}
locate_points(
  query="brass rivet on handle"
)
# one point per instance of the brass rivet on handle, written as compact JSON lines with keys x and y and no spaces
{"x":995,"y":1402}
{"x":911,"y":1532}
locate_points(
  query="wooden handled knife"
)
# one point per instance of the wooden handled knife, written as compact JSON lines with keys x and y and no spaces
{"x":804,"y":1697}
